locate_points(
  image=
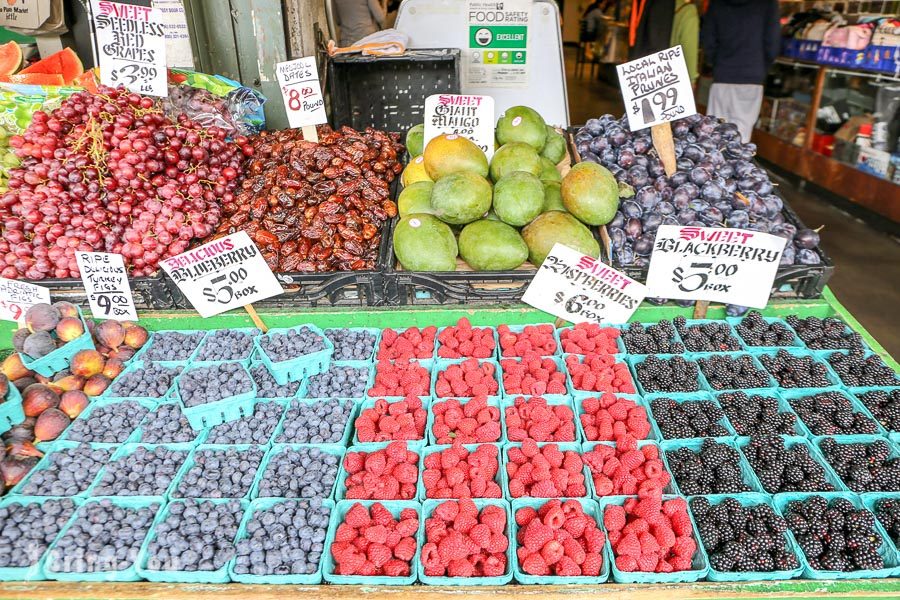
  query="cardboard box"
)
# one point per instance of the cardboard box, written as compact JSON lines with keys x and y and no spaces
{"x":24,"y":14}
{"x":873,"y":161}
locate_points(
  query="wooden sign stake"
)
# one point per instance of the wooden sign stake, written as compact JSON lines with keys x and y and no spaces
{"x":665,"y":146}
{"x":310,"y":134}
{"x":257,"y":320}
{"x":559,"y":323}
{"x":700,"y":308}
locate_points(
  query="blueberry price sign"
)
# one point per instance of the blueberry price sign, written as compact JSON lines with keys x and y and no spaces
{"x":469,"y":116}
{"x":106,"y":283}
{"x":16,"y":297}
{"x":226,"y":273}
{"x":656,"y":89}
{"x":131,"y":46}
{"x":733,"y":266}
{"x":302,"y":94}
{"x":580,"y":288}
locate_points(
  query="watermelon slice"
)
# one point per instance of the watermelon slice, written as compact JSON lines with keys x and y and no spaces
{"x":10,"y":58}
{"x":88,"y":81}
{"x":65,"y":63}
{"x":35,"y":78}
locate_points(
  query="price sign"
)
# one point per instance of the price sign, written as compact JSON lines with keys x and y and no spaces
{"x":17,"y":296}
{"x":469,"y":116}
{"x":303,"y":101}
{"x":106,"y":283}
{"x":227,"y":273}
{"x":733,"y":266}
{"x":131,"y":46}
{"x":656,"y":89}
{"x":580,"y":288}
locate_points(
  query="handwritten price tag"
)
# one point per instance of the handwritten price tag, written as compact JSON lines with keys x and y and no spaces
{"x":106,"y":283}
{"x":16,"y":297}
{"x":223,"y":274}
{"x":656,"y":89}
{"x":580,"y":288}
{"x":733,"y":266}
{"x":469,"y":116}
{"x":303,"y":101}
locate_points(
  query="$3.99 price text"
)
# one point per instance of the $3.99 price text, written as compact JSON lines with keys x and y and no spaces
{"x":222,"y":289}
{"x":130,"y":74}
{"x":698,"y":276}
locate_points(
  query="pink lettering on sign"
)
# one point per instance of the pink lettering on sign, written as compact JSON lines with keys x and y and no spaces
{"x":125,"y":11}
{"x":459,"y":100}
{"x":717,"y":235}
{"x":602,"y":272}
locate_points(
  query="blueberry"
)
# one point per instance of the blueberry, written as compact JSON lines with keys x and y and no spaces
{"x":68,"y":472}
{"x":172,"y":346}
{"x":111,"y":423}
{"x":144,"y":472}
{"x":284,"y":539}
{"x":28,"y":528}
{"x":320,"y":422}
{"x":201,"y":385}
{"x":227,"y":344}
{"x":299,"y":473}
{"x":195,"y":535}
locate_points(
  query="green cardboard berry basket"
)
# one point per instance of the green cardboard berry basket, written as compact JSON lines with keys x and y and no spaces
{"x":692,"y":322}
{"x":441,"y":365}
{"x":299,"y":392}
{"x":400,"y":331}
{"x":229,"y":408}
{"x":128,"y":449}
{"x":694,"y":445}
{"x":857,"y":406}
{"x":219,"y":575}
{"x":796,"y":342}
{"x":261,"y":504}
{"x":591,"y":509}
{"x":348,"y":427}
{"x":58,"y":360}
{"x":138,"y":365}
{"x":199,"y":437}
{"x":563,"y":447}
{"x":783,"y":407}
{"x":620,"y":358}
{"x":517,"y":330}
{"x":356,"y":364}
{"x":141,"y":355}
{"x":370,"y":403}
{"x":35,"y":571}
{"x":428,"y":507}
{"x":592,"y":488}
{"x":560,"y":366}
{"x":247,"y":412}
{"x":428,"y":450}
{"x":373,"y":330}
{"x":681,"y":398}
{"x":860,"y":393}
{"x":748,"y":499}
{"x":562,"y":351}
{"x":491,"y":401}
{"x":129,"y":574}
{"x":492,"y":330}
{"x":578,"y":399}
{"x":870,"y":500}
{"x":253,"y":332}
{"x":552,"y":400}
{"x":332,"y":449}
{"x":46,"y":462}
{"x":191,"y":461}
{"x":856,"y":439}
{"x":886,"y":548}
{"x":299,"y":367}
{"x":833,"y":379}
{"x":340,"y":489}
{"x":789,"y":442}
{"x":98,"y":403}
{"x":699,"y":563}
{"x":11,"y":412}
{"x":337,"y":517}
{"x":770,"y":386}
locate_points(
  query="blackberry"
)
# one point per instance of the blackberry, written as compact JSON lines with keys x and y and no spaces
{"x":743,"y":538}
{"x":668,"y":375}
{"x":733,"y":372}
{"x":688,"y":419}
{"x":835,"y":536}
{"x":855,"y":370}
{"x":706,"y":337}
{"x":864,"y":467}
{"x":715,"y":469}
{"x":754,"y":330}
{"x":888,"y":512}
{"x":796,"y":371}
{"x":658,"y":338}
{"x":831,"y":413}
{"x":885,"y":406}
{"x":825,"y":334}
{"x":782,"y":469}
{"x":756,"y":415}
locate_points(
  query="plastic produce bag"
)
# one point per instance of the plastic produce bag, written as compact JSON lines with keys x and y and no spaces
{"x":214,"y":100}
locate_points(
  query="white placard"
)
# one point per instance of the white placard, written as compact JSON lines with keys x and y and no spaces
{"x":24,"y":14}
{"x":106,"y":283}
{"x":17,"y":296}
{"x":469,"y":116}
{"x":656,"y":89}
{"x":303,"y":101}
{"x":226,"y":273}
{"x":179,"y":54}
{"x":498,"y":43}
{"x":734,"y":266}
{"x":131,"y":46}
{"x":580,"y":288}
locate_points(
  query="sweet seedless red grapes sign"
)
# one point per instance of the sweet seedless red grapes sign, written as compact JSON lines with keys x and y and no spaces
{"x":17,"y":296}
{"x":303,"y":101}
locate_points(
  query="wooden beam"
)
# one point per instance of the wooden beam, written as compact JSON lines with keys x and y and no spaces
{"x":814,"y":108}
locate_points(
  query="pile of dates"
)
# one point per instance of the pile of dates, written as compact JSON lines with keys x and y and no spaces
{"x":317,"y":207}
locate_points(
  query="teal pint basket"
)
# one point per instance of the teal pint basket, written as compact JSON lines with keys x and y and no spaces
{"x":694,"y":322}
{"x":182,"y":361}
{"x":219,"y":575}
{"x":400,"y":331}
{"x":620,"y":358}
{"x":199,"y":436}
{"x":279,"y":436}
{"x":260,"y":395}
{"x":866,"y":440}
{"x":59,"y":359}
{"x":48,"y":461}
{"x":856,"y":405}
{"x":425,"y":363}
{"x":441,"y":365}
{"x":35,"y":571}
{"x":11,"y":412}
{"x":261,"y":504}
{"x":128,"y":449}
{"x":96,"y":404}
{"x":355,"y":364}
{"x":681,"y":398}
{"x":518,"y":330}
{"x":429,"y":450}
{"x":861,"y":394}
{"x":560,"y":367}
{"x":337,"y":517}
{"x":591,"y":509}
{"x":369,"y":403}
{"x":372,"y":330}
{"x":221,"y":411}
{"x":190,"y":462}
{"x":553,"y":400}
{"x":795,"y":343}
{"x":870,"y":500}
{"x":247,"y":412}
{"x":276,"y":449}
{"x":789,"y":442}
{"x":578,"y":399}
{"x":300,"y":367}
{"x":748,"y":476}
{"x":428,"y":508}
{"x":634,"y":361}
{"x":826,"y":355}
{"x":129,"y":574}
{"x":340,"y":490}
{"x":771,"y":384}
{"x":561,"y":350}
{"x":624,"y":327}
{"x":491,"y":330}
{"x":198,"y":360}
{"x":748,"y":499}
{"x":830,"y":375}
{"x":139,"y":365}
{"x":495,"y":401}
{"x":784,"y":406}
{"x":592,"y":487}
{"x":563,"y":447}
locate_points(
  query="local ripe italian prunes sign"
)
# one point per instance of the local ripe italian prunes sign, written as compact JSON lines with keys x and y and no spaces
{"x":734,"y":266}
{"x":656,"y":89}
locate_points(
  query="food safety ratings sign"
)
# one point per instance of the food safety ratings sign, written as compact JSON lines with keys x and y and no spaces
{"x":498,"y":43}
{"x":106,"y":283}
{"x":581,"y":289}
{"x":733,"y":266}
{"x":16,"y":297}
{"x":469,"y":116}
{"x":131,"y":46}
{"x":227,"y":273}
{"x":656,"y":89}
{"x":303,"y":101}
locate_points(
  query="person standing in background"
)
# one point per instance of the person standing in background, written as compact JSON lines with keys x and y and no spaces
{"x":686,"y":31}
{"x":741,"y":39}
{"x":358,"y":18}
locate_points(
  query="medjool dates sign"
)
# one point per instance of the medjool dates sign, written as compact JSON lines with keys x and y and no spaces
{"x":656,"y":89}
{"x":227,"y":273}
{"x":131,"y":46}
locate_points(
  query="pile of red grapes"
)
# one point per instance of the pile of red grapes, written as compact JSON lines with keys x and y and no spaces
{"x":111,"y":173}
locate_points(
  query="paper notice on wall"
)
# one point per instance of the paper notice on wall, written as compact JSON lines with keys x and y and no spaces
{"x":497,"y":54}
{"x":178,"y":40}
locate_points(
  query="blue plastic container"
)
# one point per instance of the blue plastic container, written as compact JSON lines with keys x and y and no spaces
{"x":749,"y":477}
{"x":857,"y":439}
{"x":340,"y":490}
{"x":35,"y":571}
{"x":261,"y":504}
{"x":221,"y":411}
{"x":491,"y":330}
{"x":138,"y":365}
{"x":886,"y":549}
{"x":98,"y":403}
{"x":859,"y":394}
{"x":783,"y":407}
{"x":127,"y":449}
{"x":337,"y":517}
{"x":694,"y":322}
{"x":681,"y":398}
{"x":578,"y":399}
{"x":441,"y":365}
{"x":300,"y":367}
{"x":634,"y":361}
{"x":833,"y":379}
{"x":563,"y":447}
{"x":519,"y":329}
{"x":592,"y":488}
{"x":789,"y":442}
{"x":348,"y":429}
{"x":253,"y":332}
{"x":624,"y":327}
{"x":130,"y":574}
{"x":553,"y":400}
{"x":771,"y":385}
{"x":373,"y":330}
{"x":591,"y":509}
{"x":431,"y":356}
{"x":428,"y":507}
{"x":59,"y":359}
{"x":48,"y":461}
{"x":826,"y":355}
{"x":699,"y":564}
{"x":498,"y":478}
{"x":748,"y":499}
{"x":333,"y":449}
{"x":180,"y":362}
{"x":562,"y":350}
{"x":796,"y":342}
{"x":491,"y":401}
{"x":870,"y":500}
{"x":11,"y":412}
{"x":370,"y":403}
{"x":560,"y":366}
{"x":356,"y":364}
{"x":791,"y":395}
{"x":174,"y":492}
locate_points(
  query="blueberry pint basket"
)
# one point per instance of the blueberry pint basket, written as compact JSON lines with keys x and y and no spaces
{"x":299,"y":367}
{"x":229,"y":408}
{"x":34,"y":571}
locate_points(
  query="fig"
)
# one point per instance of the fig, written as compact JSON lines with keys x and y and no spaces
{"x":42,"y":379}
{"x":66,"y":309}
{"x":50,"y":424}
{"x":96,"y":385}
{"x":23,"y":432}
{"x":41,"y":317}
{"x":13,"y":368}
{"x":39,"y":344}
{"x":24,"y":382}
{"x":68,"y":383}
{"x":73,"y":402}
{"x":103,"y":350}
{"x":37,"y":398}
{"x":87,"y":363}
{"x":18,"y":339}
{"x":113,"y":367}
{"x":60,"y":374}
{"x":123,"y":354}
{"x":15,"y":469}
{"x":23,"y":449}
{"x":110,"y":333}
{"x":4,"y":387}
{"x":136,"y":336}
{"x":69,"y":328}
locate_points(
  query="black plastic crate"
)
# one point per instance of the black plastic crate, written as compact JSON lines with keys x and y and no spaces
{"x":388,"y":92}
{"x":148,"y":292}
{"x":457,"y":287}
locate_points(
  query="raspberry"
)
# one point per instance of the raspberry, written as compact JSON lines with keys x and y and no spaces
{"x":461,"y":543}
{"x":411,"y":343}
{"x":451,"y":427}
{"x":373,"y":531}
{"x":592,"y":565}
{"x":530,"y":375}
{"x":388,"y":474}
{"x":382,"y":422}
{"x":533,"y":338}
{"x":600,"y":373}
{"x":620,"y":470}
{"x":601,"y":417}
{"x":467,"y":379}
{"x":400,"y":378}
{"x":540,"y":421}
{"x":628,"y":546}
{"x":587,"y":338}
{"x":462,"y":341}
